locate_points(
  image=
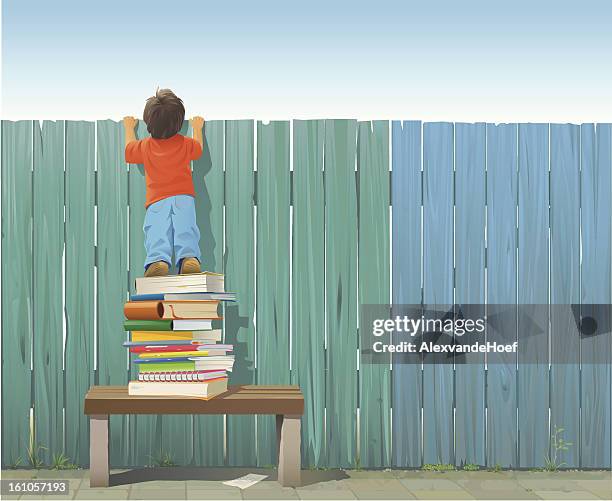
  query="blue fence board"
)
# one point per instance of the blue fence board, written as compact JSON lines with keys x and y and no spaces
{"x":501,"y":287}
{"x":596,"y":350}
{"x":470,"y":196}
{"x":533,"y":394}
{"x":438,"y":275}
{"x":565,"y":286}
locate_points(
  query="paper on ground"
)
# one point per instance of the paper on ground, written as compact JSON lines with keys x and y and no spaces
{"x":246,"y":481}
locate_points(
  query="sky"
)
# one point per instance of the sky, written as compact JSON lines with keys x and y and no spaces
{"x":469,"y":60}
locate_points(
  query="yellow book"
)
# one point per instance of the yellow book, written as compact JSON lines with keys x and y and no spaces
{"x":174,"y":354}
{"x":162,"y":335}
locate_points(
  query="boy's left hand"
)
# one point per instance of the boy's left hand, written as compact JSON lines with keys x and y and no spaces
{"x":129,"y":122}
{"x":197,"y":122}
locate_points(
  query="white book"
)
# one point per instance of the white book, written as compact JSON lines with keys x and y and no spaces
{"x":198,"y":389}
{"x":195,"y":282}
{"x":191,"y":325}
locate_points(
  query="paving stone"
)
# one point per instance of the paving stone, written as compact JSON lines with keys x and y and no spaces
{"x":332,"y":485}
{"x":442,"y":494}
{"x":370,"y":474}
{"x":279,"y":493}
{"x":213,"y":494}
{"x":325,"y":494}
{"x":9,"y":474}
{"x":63,"y":474}
{"x":548,"y":494}
{"x":206,"y":485}
{"x":513,"y":494}
{"x":386,"y":494}
{"x":429,"y":484}
{"x":158,"y":494}
{"x":549,"y":484}
{"x":102,"y":493}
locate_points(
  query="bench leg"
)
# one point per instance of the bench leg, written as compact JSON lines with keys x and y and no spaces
{"x":289,"y":454}
{"x":98,"y":451}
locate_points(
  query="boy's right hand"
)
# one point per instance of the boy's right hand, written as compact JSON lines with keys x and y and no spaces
{"x":129,"y":122}
{"x":197,"y":122}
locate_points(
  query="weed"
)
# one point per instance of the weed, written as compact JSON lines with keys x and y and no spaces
{"x":557,"y":446}
{"x":16,"y":464}
{"x":495,"y":469}
{"x":163,"y":459}
{"x":471,"y":467}
{"x":33,"y":454}
{"x":438,"y":467}
{"x":62,"y":462}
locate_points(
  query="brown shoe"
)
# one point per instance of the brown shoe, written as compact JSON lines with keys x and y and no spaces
{"x":157,"y":269}
{"x":190,"y":265}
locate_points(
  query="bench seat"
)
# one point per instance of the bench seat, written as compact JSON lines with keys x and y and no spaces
{"x":285,"y":402}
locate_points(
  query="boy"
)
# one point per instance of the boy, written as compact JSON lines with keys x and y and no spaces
{"x":170,"y":221}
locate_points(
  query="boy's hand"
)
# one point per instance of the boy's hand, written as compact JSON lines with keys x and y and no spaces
{"x":129,"y":122}
{"x":197,"y":122}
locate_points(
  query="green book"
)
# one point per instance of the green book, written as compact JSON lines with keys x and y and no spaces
{"x":147,"y":325}
{"x":166,"y":367}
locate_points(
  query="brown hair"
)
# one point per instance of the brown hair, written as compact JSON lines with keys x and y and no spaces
{"x":164,"y":114}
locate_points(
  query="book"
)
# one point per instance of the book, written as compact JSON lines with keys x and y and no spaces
{"x":157,"y":310}
{"x":207,"y":336}
{"x":204,"y":389}
{"x":179,"y":354}
{"x":189,"y":296}
{"x":194,"y":282}
{"x":221,"y":362}
{"x":181,"y":376}
{"x":167,"y":325}
{"x":187,"y":347}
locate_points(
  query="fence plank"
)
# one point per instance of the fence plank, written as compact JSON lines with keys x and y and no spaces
{"x":565,"y":284}
{"x":374,"y":379}
{"x":406,"y":197}
{"x":48,"y":342}
{"x":208,"y":181}
{"x":80,"y":199}
{"x":501,"y":285}
{"x":240,"y":278}
{"x":596,"y":350}
{"x":177,"y":431}
{"x":533,"y":389}
{"x":112,"y":193}
{"x":438,"y":285}
{"x":145,"y":431}
{"x":16,"y":289}
{"x":341,"y":297}
{"x":470,"y":209}
{"x":273,"y":190}
{"x":308,"y":285}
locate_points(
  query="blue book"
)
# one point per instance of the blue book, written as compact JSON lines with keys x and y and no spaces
{"x":157,"y":360}
{"x":187,"y":296}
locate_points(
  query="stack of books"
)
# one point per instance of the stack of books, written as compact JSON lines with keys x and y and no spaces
{"x":173,"y":342}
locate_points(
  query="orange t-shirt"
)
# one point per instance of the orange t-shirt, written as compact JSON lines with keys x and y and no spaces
{"x":166,"y":165}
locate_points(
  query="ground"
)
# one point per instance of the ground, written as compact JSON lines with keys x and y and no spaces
{"x":206,"y":483}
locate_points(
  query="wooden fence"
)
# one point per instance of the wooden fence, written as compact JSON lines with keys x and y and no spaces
{"x":308,"y":220}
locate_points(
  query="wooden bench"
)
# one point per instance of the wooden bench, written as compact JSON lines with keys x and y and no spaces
{"x":286,"y":402}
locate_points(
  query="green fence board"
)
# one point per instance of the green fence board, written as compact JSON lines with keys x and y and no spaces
{"x":308,"y":287}
{"x":240,"y":278}
{"x":502,"y":439}
{"x":374,"y":288}
{"x":112,"y":269}
{"x":273,"y":246}
{"x":438,"y":285}
{"x":565,"y":285}
{"x":80,"y":199}
{"x":48,"y":342}
{"x":341,"y":291}
{"x":208,"y":181}
{"x":16,"y":289}
{"x":596,"y":289}
{"x":177,"y":431}
{"x":470,"y":196}
{"x":533,"y":222}
{"x":145,"y":431}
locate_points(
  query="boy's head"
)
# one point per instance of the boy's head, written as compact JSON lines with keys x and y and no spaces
{"x":164,"y":114}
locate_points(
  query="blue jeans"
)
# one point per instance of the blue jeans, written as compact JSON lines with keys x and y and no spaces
{"x":170,"y":227}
